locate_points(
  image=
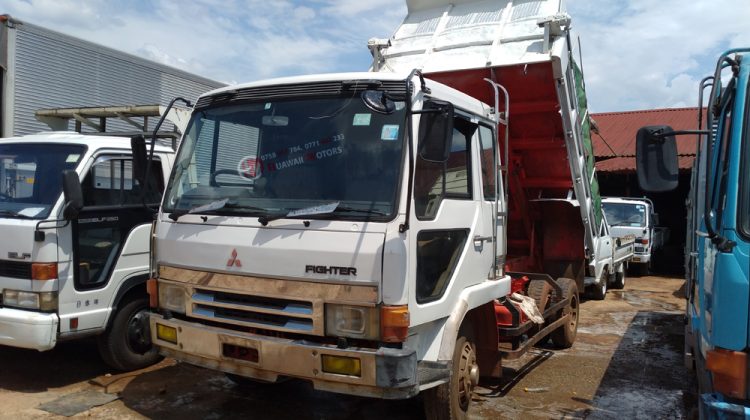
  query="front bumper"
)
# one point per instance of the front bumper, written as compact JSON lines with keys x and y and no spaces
{"x":713,"y":406}
{"x":385,"y":372}
{"x":28,"y":329}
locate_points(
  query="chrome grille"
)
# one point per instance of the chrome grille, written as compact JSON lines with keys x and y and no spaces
{"x":270,"y":313}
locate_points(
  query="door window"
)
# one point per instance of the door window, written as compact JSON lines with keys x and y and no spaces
{"x":434,"y":181}
{"x":112,"y":199}
{"x":487,"y":141}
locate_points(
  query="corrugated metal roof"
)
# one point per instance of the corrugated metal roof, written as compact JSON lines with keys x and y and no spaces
{"x":627,"y":164}
{"x":614,"y":145}
{"x":618,"y":129}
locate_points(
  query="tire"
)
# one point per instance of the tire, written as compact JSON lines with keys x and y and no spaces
{"x":565,"y":335}
{"x":126,"y":345}
{"x":451,"y":401}
{"x":619,"y":282}
{"x":599,"y":291}
{"x":539,"y":290}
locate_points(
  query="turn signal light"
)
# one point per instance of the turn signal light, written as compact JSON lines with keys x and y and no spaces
{"x":729,"y":370}
{"x":152,"y":288}
{"x":394,"y":323}
{"x":43,"y":271}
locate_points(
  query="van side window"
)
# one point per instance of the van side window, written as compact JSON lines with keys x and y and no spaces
{"x":434,"y":181}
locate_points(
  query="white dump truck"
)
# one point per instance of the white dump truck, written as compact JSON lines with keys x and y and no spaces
{"x":636,"y":217}
{"x":74,"y":257}
{"x":390,"y":232}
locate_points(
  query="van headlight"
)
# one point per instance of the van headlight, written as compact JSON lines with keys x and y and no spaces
{"x":39,"y":301}
{"x":172,"y":297}
{"x":352,"y":321}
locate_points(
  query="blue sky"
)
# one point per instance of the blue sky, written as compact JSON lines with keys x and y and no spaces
{"x":637,"y":54}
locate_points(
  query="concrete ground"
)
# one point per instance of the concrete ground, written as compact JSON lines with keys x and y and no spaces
{"x":626,"y":363}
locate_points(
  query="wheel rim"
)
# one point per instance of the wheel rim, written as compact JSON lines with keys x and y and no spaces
{"x":466,"y":369}
{"x":138,"y":335}
{"x":573,"y":313}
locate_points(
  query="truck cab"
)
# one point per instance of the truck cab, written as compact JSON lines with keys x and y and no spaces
{"x":635,"y":217}
{"x":718,"y":233}
{"x":70,"y":274}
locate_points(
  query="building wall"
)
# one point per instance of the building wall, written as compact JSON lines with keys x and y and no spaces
{"x":52,"y":70}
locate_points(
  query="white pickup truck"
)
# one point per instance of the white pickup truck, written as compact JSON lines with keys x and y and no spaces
{"x":67,"y":274}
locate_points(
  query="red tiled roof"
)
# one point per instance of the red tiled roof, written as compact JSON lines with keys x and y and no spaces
{"x":619,"y":129}
{"x":627,"y":164}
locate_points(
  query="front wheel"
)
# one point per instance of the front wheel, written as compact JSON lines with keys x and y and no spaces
{"x":599,"y":291}
{"x":127,"y":343}
{"x":450,"y":401}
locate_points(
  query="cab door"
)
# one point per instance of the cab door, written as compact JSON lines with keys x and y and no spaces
{"x":451,"y":231}
{"x":112,"y":210}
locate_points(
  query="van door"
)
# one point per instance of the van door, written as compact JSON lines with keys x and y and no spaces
{"x":112,"y":209}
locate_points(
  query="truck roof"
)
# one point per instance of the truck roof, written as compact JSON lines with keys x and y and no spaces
{"x":627,"y":200}
{"x":70,"y":137}
{"x":446,"y":92}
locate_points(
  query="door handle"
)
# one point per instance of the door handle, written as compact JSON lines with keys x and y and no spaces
{"x":479,"y":239}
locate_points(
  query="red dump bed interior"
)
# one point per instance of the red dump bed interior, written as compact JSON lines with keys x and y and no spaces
{"x":538,"y":166}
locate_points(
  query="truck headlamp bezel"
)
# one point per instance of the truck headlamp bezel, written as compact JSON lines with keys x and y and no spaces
{"x":352,"y":321}
{"x":173,"y":297}
{"x":37,"y":301}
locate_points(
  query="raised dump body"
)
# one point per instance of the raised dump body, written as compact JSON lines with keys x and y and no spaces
{"x":554,"y":222}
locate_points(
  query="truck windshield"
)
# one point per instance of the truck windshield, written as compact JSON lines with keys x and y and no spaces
{"x":30,"y":177}
{"x":273,"y":159}
{"x":625,"y":214}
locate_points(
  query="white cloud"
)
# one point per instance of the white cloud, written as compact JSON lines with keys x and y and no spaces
{"x":637,"y":54}
{"x":650,"y":54}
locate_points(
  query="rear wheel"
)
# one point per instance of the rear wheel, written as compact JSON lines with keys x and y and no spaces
{"x":126,"y":345}
{"x":451,"y":401}
{"x":565,"y":335}
{"x":619,"y":282}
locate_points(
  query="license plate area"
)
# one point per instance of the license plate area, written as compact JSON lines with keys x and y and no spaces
{"x":240,"y":349}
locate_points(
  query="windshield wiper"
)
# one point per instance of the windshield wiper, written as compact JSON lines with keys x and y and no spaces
{"x":13,"y":214}
{"x":213,"y":207}
{"x":332,"y":208}
{"x":345,"y":209}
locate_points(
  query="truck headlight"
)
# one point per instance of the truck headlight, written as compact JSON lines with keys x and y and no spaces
{"x":172,"y":297}
{"x":352,"y":321}
{"x":40,"y":301}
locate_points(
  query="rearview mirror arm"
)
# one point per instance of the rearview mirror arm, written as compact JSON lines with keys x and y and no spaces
{"x":722,"y":243}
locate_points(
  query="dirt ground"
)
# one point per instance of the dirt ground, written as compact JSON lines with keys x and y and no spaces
{"x":626,"y":363}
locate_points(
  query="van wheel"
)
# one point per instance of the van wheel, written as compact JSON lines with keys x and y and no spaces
{"x":565,"y":335}
{"x":451,"y":401}
{"x":126,"y":345}
{"x":619,"y":282}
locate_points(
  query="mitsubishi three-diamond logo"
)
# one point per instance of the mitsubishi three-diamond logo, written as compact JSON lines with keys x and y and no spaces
{"x":234,"y":261}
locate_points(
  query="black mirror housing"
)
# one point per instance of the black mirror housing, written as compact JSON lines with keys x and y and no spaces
{"x":656,"y":159}
{"x":73,"y":194}
{"x":436,"y":131}
{"x":140,"y":157}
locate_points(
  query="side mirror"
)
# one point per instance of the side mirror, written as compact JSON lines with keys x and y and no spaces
{"x":72,"y":193}
{"x":656,"y":159}
{"x":140,"y":158}
{"x":655,"y":219}
{"x":436,"y":131}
